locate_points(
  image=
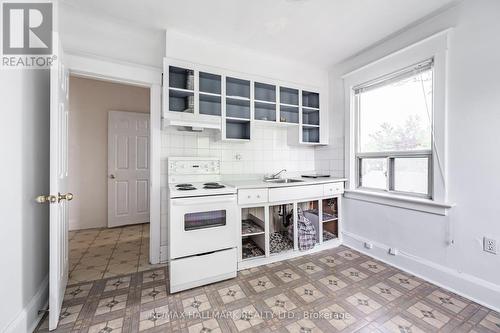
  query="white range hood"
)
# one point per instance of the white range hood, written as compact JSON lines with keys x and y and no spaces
{"x":196,"y":125}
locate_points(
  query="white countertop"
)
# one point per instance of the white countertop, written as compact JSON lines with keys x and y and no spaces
{"x":259,"y":183}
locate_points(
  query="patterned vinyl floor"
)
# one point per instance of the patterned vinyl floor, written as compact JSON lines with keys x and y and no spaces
{"x":102,"y":253}
{"x":331,"y":291}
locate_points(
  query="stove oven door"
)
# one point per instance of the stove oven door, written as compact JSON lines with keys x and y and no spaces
{"x":202,"y":224}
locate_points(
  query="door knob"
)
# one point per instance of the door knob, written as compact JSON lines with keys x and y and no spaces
{"x":46,"y":199}
{"x":68,"y":196}
{"x":112,"y":176}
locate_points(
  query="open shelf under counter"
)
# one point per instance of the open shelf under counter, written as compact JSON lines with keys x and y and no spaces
{"x":285,"y":235}
{"x":329,"y":218}
{"x":253,"y":237}
{"x":328,"y":236}
{"x":251,"y":249}
{"x":249,"y":227}
{"x":259,"y":261}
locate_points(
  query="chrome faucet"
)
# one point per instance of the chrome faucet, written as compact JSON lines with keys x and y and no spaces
{"x":276,"y":175}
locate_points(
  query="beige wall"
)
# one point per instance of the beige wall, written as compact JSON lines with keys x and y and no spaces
{"x":89,"y":103}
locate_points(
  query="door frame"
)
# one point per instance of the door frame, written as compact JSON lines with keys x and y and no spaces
{"x":97,"y":68}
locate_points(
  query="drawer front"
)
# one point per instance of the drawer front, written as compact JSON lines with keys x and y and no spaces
{"x":252,"y":196}
{"x":199,"y":270}
{"x":295,"y":192}
{"x":333,"y":188}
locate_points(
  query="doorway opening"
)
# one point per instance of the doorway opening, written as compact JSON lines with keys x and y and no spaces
{"x":109,"y":173}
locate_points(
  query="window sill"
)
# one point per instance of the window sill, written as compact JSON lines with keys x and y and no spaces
{"x":400,"y":201}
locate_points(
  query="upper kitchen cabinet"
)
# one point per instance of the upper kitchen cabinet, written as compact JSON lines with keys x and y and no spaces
{"x":237,"y":122}
{"x":265,"y":102}
{"x":192,"y":98}
{"x":200,"y":96}
{"x":310,"y":127}
{"x":289,"y":105}
{"x":181,"y":89}
{"x":210,"y":92}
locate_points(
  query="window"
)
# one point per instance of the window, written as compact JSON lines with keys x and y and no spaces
{"x":394,"y":132}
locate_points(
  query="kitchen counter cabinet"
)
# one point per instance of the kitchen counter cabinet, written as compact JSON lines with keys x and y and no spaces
{"x":321,"y":196}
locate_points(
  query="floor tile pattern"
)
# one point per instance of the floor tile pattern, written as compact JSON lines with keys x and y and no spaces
{"x":102,"y":253}
{"x":337,"y":290}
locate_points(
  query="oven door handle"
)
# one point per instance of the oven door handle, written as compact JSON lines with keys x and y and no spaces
{"x":201,"y":201}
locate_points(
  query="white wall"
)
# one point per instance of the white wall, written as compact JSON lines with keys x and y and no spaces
{"x":89,"y":103}
{"x":473,"y":164}
{"x":213,"y":53}
{"x":24,"y":133}
{"x":107,"y":37}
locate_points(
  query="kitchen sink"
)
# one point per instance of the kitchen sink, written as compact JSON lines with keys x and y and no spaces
{"x":283,"y":181}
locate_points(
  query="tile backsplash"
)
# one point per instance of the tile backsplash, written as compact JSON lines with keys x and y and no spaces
{"x":266,"y":153}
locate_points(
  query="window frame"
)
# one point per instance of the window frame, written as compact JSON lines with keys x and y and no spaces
{"x":373,"y":66}
{"x":390,"y":156}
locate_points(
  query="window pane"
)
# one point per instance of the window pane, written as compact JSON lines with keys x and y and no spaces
{"x":374,"y":173}
{"x":411,"y":175}
{"x":397,"y":117}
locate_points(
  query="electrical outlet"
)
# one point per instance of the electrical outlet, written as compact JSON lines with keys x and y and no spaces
{"x":393,"y":251}
{"x":368,"y":245}
{"x":489,"y":245}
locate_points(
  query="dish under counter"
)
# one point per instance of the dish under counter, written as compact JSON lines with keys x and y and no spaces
{"x":269,"y":223}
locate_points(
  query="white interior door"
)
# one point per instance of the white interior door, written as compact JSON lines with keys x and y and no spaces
{"x":59,"y":214}
{"x":128,"y":168}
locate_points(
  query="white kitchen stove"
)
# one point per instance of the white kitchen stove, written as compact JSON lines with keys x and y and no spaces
{"x":202,"y":223}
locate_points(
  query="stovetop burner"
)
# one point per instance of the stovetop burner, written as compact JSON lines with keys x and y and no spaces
{"x":213,"y":186}
{"x":186,"y":188}
{"x":184,"y":185}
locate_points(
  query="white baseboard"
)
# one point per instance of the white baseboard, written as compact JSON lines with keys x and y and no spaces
{"x":466,"y":285}
{"x":28,"y":318}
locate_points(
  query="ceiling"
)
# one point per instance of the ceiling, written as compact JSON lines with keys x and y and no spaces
{"x":319,"y":32}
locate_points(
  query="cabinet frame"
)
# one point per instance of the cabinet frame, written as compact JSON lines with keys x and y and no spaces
{"x":320,"y":246}
{"x":195,"y":119}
